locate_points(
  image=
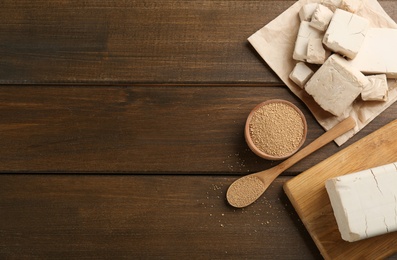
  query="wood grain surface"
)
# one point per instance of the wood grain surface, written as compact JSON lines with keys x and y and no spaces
{"x":151,"y":130}
{"x":121,"y":127}
{"x":135,"y":41}
{"x":179,"y":217}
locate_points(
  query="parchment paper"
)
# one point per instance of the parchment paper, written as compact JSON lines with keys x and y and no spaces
{"x":275,"y":44}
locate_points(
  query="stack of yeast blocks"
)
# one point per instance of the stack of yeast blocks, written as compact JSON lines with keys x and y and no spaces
{"x":339,"y":58}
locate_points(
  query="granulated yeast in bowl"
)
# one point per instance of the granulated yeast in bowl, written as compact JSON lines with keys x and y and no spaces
{"x":275,"y":129}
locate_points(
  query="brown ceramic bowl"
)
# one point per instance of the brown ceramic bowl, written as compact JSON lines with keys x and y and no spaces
{"x":275,"y":129}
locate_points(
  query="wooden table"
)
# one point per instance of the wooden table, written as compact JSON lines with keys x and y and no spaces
{"x":122,"y":127}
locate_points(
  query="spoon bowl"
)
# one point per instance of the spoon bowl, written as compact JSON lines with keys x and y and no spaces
{"x":246,"y":190}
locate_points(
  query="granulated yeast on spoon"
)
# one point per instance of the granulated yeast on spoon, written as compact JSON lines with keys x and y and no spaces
{"x":248,"y":189}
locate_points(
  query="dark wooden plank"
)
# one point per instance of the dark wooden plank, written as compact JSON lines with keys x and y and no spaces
{"x":144,"y":217}
{"x":135,"y":41}
{"x":140,"y":129}
{"x":132,"y":41}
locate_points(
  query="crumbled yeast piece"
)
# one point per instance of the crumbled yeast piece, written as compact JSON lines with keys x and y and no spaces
{"x":350,"y":5}
{"x":377,"y":89}
{"x":301,"y":74}
{"x":306,"y":12}
{"x":316,"y":53}
{"x":305,"y":33}
{"x":335,"y":85}
{"x":332,"y":4}
{"x":321,"y":17}
{"x":346,"y":33}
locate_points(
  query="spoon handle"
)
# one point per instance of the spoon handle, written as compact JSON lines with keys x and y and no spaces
{"x":339,"y":129}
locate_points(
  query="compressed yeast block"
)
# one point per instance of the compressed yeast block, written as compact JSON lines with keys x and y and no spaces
{"x":335,"y":85}
{"x":378,"y":53}
{"x":301,"y":74}
{"x":305,"y":33}
{"x":346,"y":33}
{"x":377,"y":89}
{"x":321,"y":17}
{"x":365,"y":202}
{"x":316,"y":53}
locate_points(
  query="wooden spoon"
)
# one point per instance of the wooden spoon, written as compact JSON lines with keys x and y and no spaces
{"x":249,"y":188}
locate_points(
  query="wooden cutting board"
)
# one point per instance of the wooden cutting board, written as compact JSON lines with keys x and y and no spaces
{"x":310,"y":199}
